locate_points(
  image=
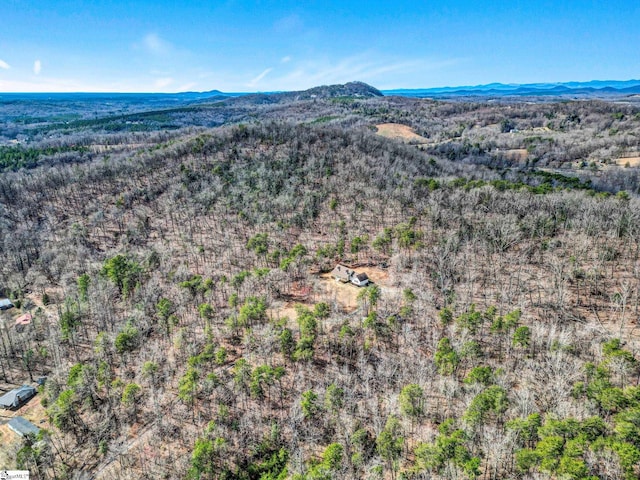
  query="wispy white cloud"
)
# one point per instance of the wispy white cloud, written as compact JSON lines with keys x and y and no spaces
{"x":37,"y":67}
{"x":367,"y":67}
{"x":254,"y":81}
{"x":286,"y":59}
{"x":4,"y":65}
{"x":384,"y":72}
{"x":153,"y":44}
{"x":187,"y":87}
{"x":288,"y":24}
{"x":172,"y":75}
{"x":163,"y":82}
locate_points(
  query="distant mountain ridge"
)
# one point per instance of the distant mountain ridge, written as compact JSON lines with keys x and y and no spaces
{"x":350,"y":89}
{"x":595,"y":88}
{"x":591,"y":88}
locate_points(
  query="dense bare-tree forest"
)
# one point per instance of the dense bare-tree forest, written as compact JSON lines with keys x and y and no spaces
{"x":175,"y":268}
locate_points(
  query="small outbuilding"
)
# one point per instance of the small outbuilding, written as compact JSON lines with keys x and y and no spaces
{"x":22,"y":426}
{"x":360,"y":279}
{"x":5,"y":304}
{"x":17,"y":397}
{"x":345,"y":275}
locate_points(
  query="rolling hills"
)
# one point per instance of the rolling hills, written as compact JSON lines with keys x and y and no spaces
{"x":175,"y":260}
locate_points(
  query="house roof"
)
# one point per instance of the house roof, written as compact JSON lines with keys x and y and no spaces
{"x":362,"y":277}
{"x":342,"y":272}
{"x":5,"y":303}
{"x":22,"y":426}
{"x":17,"y":396}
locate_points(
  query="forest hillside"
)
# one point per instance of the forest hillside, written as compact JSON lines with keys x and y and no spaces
{"x":175,"y":266}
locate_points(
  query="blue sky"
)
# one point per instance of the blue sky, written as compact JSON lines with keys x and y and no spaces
{"x":236,"y":46}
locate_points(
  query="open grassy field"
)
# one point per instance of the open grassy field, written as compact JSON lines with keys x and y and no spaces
{"x":399,"y":131}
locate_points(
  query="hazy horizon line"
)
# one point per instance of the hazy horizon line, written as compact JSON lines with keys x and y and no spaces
{"x":268,"y":92}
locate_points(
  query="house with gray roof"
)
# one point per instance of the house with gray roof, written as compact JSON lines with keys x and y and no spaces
{"x":5,"y":304}
{"x":345,"y":275}
{"x":17,"y":397}
{"x":22,"y":426}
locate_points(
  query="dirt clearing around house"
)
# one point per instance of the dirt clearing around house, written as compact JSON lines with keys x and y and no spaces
{"x":399,"y":131}
{"x":35,"y":413}
{"x":11,"y":442}
{"x":343,"y":296}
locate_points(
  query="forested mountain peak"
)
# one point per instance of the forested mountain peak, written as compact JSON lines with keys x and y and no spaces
{"x":354,"y":90}
{"x":351,"y":89}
